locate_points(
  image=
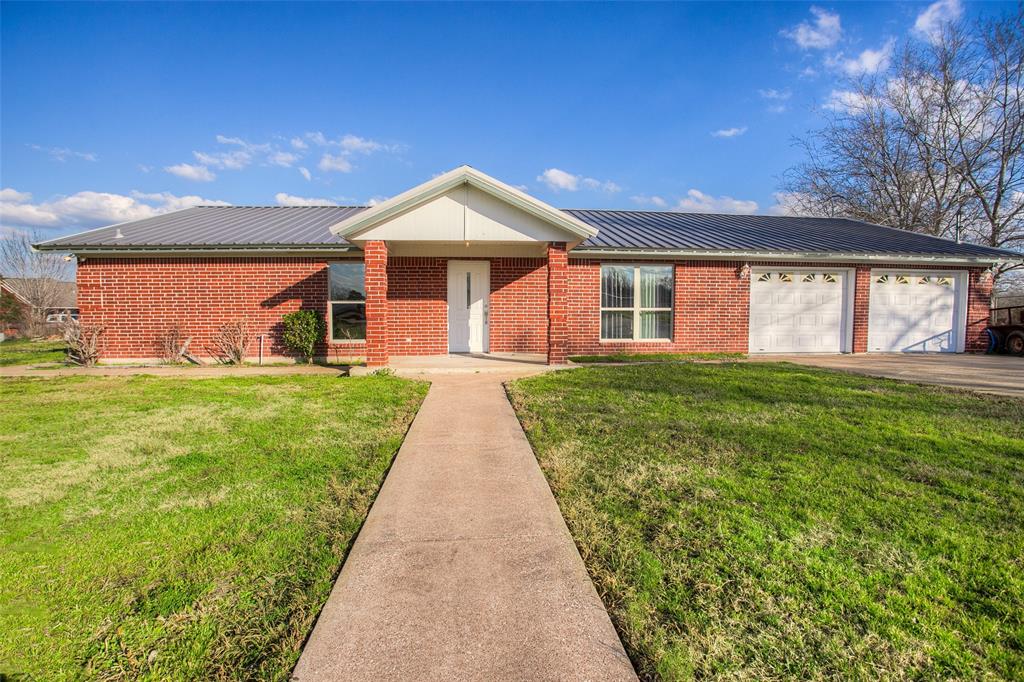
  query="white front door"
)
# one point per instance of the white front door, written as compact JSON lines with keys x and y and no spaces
{"x":798,"y":311}
{"x":469,"y":287}
{"x":912,"y":312}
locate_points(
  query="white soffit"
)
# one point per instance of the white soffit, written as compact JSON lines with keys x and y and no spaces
{"x":464,"y":205}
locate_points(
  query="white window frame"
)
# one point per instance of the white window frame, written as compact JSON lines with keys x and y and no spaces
{"x":331,"y":302}
{"x":637,"y":309}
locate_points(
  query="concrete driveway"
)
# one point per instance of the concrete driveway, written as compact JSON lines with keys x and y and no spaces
{"x":999,"y":374}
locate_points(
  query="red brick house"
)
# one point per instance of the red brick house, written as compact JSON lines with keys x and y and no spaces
{"x":465,"y":263}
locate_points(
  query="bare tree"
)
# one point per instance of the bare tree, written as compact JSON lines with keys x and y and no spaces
{"x":40,"y":275}
{"x":935,"y":144}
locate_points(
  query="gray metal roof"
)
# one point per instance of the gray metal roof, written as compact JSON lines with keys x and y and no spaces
{"x":221,"y":226}
{"x":778,"y":234}
{"x":308,"y":227}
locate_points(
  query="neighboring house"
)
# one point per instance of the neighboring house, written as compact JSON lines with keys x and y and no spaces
{"x":465,"y":263}
{"x":14,"y":294}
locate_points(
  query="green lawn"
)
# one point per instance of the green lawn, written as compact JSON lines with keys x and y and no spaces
{"x":768,"y":521}
{"x":653,"y":357}
{"x":175,"y":528}
{"x":30,"y":352}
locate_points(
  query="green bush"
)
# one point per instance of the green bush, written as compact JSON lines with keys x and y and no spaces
{"x":303,"y":329}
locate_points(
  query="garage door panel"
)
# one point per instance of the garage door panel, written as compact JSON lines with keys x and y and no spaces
{"x":797,"y":312}
{"x":910,"y":312}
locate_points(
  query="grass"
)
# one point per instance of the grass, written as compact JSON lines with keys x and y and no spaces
{"x":770,"y":521}
{"x":172,"y":528}
{"x":30,"y":352}
{"x":653,"y":357}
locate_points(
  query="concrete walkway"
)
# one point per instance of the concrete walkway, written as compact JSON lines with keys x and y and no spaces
{"x":464,"y":569}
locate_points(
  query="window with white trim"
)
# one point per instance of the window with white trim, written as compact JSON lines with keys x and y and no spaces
{"x":347,"y":305}
{"x":636,"y":302}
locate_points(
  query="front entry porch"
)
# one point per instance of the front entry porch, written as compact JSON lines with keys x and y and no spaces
{"x":469,"y":363}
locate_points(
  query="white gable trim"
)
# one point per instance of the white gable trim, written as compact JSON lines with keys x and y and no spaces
{"x":574,"y":229}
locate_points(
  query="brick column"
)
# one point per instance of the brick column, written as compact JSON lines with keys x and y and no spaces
{"x":979,"y":301}
{"x":558,"y":293}
{"x":861,"y":296}
{"x":375,"y":255}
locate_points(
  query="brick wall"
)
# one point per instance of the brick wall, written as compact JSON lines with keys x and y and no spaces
{"x":861,"y":299}
{"x":711,"y":310}
{"x":137,"y":299}
{"x":979,"y":301}
{"x":418,"y":305}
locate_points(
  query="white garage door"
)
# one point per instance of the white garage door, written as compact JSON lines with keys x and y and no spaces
{"x":912,"y":312}
{"x":797,"y":311}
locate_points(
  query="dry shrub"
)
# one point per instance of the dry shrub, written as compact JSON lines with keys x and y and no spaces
{"x":83,"y":341}
{"x":173,"y":345}
{"x":232,"y":341}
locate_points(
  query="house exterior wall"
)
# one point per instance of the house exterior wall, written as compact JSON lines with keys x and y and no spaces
{"x":136,"y":299}
{"x":418,"y":305}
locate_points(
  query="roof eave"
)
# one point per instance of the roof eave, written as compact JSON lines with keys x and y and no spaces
{"x":198,"y":249}
{"x":829,"y":256}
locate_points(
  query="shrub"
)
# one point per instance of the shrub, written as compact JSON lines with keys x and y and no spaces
{"x":232,"y":341}
{"x":173,"y":345}
{"x":303,"y":329}
{"x":83,"y":342}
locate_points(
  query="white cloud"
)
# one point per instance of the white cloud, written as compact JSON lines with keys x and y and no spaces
{"x":305,"y":173}
{"x":373,"y":201}
{"x":558,"y":180}
{"x":729,"y":132}
{"x":13,"y":195}
{"x":788,"y":203}
{"x":318,"y":139}
{"x":699,"y":202}
{"x":191,"y":172}
{"x":283,"y":159}
{"x":354,"y":143}
{"x":62,"y":154}
{"x":299,"y":143}
{"x":824,"y":32}
{"x":772,"y":93}
{"x":930,"y":22}
{"x":867,"y":62}
{"x":90,"y":209}
{"x":236,"y":160}
{"x":232,"y":140}
{"x":653,"y":200}
{"x":847,"y":101}
{"x":284,"y":199}
{"x":330,"y":162}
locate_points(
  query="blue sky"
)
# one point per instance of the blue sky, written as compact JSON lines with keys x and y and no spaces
{"x":113,"y":112}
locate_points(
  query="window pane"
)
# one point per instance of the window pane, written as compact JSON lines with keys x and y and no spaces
{"x":656,"y":286}
{"x":348,"y":321}
{"x":616,"y":287}
{"x":347,"y":282}
{"x":656,"y":325}
{"x":616,"y":325}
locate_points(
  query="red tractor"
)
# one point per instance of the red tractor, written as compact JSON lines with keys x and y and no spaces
{"x":1006,"y":330}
